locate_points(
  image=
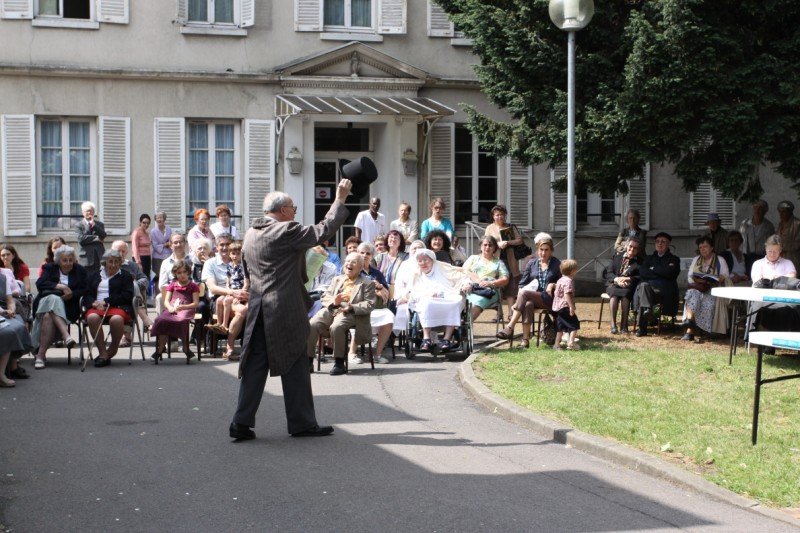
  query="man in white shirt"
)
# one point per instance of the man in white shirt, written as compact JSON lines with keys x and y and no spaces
{"x":215,"y":276}
{"x":370,"y":223}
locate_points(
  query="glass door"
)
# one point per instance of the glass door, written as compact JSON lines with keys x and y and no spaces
{"x":327,"y":173}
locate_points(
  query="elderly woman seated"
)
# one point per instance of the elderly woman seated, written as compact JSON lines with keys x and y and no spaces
{"x":622,"y":276}
{"x":14,"y":337}
{"x":767,"y":269}
{"x":108,"y":300}
{"x":61,"y":287}
{"x":488,"y":273}
{"x":347,"y":303}
{"x":702,"y":310}
{"x":434,"y":293}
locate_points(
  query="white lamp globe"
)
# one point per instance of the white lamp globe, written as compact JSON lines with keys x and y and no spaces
{"x":571,"y":15}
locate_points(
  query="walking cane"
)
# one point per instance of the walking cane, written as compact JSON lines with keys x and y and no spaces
{"x":93,"y":340}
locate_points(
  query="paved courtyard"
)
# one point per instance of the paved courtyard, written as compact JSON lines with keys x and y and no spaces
{"x":145,"y":448}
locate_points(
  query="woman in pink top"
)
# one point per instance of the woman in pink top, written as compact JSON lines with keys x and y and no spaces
{"x":773,"y":265}
{"x":140,"y":245}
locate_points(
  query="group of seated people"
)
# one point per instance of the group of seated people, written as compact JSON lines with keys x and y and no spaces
{"x":647,"y":281}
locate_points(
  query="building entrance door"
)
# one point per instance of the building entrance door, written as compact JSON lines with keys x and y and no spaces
{"x":334,"y":146}
{"x":327,"y":174}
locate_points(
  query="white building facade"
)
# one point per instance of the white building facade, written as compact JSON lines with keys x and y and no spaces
{"x":180,"y":104}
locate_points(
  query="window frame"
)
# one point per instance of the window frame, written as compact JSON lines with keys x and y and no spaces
{"x":348,"y":14}
{"x":594,"y":206}
{"x":238,"y":199}
{"x":59,"y":21}
{"x":211,"y":14}
{"x":66,"y":199}
{"x":475,"y":200}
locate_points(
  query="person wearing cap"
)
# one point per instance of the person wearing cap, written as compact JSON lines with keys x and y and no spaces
{"x":755,"y":231}
{"x":789,"y":231}
{"x":718,"y":234}
{"x":370,"y":223}
{"x":659,"y":274}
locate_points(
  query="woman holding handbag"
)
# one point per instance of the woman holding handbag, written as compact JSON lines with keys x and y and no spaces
{"x":508,"y":239}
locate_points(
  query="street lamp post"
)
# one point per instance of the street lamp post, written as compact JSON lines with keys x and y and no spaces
{"x":571,"y":16}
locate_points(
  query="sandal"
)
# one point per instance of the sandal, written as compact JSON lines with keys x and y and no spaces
{"x":425,"y":346}
{"x":525,"y":343}
{"x":445,"y":345}
{"x":505,"y":333}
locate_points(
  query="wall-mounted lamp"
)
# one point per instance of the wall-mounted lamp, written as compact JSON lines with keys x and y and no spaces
{"x":295,"y":159}
{"x":410,"y":162}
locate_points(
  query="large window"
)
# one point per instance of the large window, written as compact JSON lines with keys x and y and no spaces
{"x":475,"y":179}
{"x":212,"y":165}
{"x":65,"y":176}
{"x":211,"y":11}
{"x":348,"y":13}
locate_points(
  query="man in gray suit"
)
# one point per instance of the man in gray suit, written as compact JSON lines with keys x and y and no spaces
{"x":91,"y":233}
{"x":277,"y":319}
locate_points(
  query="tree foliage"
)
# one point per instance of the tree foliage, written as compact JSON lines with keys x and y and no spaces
{"x":712,"y":87}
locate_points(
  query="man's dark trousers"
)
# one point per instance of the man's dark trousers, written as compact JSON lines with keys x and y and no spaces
{"x":297,"y":396}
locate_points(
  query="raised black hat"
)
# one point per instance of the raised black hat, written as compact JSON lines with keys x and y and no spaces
{"x":361,"y":172}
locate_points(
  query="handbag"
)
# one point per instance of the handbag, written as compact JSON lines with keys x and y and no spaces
{"x":484,"y":292}
{"x":522,"y":251}
{"x":548,"y":331}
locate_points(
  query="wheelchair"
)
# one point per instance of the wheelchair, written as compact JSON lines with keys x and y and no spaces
{"x":462,"y":336}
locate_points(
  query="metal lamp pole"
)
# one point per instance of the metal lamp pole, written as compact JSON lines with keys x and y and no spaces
{"x":571,"y":16}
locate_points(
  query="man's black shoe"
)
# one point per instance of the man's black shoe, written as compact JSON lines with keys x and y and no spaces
{"x":641,"y":332}
{"x":647,"y":314}
{"x":316,"y":431}
{"x":338,"y":368}
{"x":240,"y":432}
{"x":100,"y":362}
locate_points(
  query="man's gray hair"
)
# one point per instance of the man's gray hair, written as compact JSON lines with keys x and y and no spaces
{"x":355,"y":256}
{"x":109,"y":254}
{"x":367,"y":246}
{"x":85,"y":206}
{"x":224,"y":236}
{"x":202,"y":240}
{"x":61,"y":251}
{"x":274,"y":201}
{"x":160,"y":214}
{"x":116,"y":245}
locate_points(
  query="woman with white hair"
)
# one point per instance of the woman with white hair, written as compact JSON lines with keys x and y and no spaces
{"x":405,"y":273}
{"x":61,"y":287}
{"x":109,"y":300}
{"x":436,"y":298}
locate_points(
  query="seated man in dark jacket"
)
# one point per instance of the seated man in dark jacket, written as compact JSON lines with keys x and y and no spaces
{"x":659,"y":274}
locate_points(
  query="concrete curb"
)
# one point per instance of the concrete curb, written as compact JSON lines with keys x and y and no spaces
{"x":606,"y":449}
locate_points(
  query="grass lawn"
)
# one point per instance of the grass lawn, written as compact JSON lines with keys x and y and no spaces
{"x":677,"y":400}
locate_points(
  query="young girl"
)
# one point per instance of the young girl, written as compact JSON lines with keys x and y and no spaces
{"x":564,"y":305}
{"x":182,"y":298}
{"x":237,"y":280}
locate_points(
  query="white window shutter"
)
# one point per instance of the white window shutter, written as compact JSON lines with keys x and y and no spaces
{"x":16,"y":9}
{"x":259,"y":165}
{"x":439,"y":24}
{"x":115,"y":174}
{"x":441,"y":165}
{"x":113,"y":11}
{"x":639,"y":198}
{"x":182,"y":14}
{"x":170,"y":166}
{"x":17,"y":140}
{"x":392,"y":16}
{"x":700,"y":205}
{"x":308,"y":15}
{"x":558,"y":200}
{"x":520,"y":197}
{"x":726,"y":209}
{"x":248,"y":13}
